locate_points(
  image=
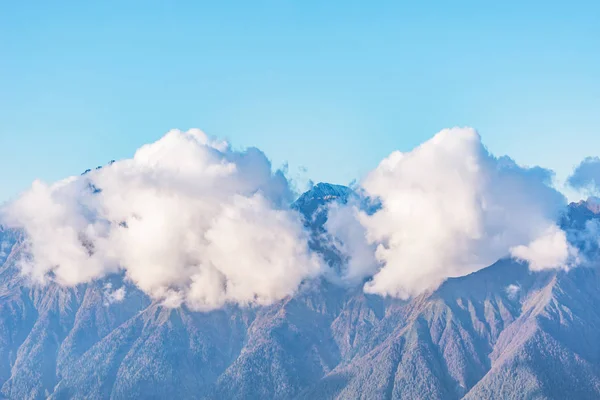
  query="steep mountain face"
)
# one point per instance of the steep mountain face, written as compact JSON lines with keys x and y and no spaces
{"x":502,"y":332}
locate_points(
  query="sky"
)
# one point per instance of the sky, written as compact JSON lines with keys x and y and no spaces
{"x":328,"y":88}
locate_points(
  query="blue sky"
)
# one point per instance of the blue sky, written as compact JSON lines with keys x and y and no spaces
{"x":331,"y":87}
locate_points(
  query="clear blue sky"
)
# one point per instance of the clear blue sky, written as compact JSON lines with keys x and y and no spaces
{"x":332,"y":86}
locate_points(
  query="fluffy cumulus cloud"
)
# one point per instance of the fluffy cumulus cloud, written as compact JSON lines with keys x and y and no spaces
{"x":449,"y":208}
{"x":586,"y":176}
{"x":188,"y":219}
{"x":550,"y":250}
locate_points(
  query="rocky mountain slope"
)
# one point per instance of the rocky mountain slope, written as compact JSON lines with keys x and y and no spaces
{"x":502,"y":332}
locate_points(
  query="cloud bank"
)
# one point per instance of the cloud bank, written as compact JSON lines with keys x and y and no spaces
{"x":449,"y":208}
{"x":188,"y":219}
{"x":191,"y":221}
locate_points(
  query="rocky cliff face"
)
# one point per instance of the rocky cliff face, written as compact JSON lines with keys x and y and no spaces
{"x":502,"y":332}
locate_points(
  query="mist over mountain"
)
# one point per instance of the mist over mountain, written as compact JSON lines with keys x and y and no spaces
{"x":188,"y":272}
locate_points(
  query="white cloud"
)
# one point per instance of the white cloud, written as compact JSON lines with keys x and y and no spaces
{"x":349,"y":237}
{"x":60,"y":230}
{"x":187,"y":218}
{"x":512,"y":291}
{"x":549,"y":251}
{"x":448,"y":208}
{"x":113,"y":296}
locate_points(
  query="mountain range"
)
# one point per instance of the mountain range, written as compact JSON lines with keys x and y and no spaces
{"x":502,"y":332}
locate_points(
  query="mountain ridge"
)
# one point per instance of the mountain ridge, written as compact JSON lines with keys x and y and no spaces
{"x":501,"y":332}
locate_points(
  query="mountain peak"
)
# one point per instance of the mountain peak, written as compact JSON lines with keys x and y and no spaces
{"x":325,"y":190}
{"x":578,"y":214}
{"x":593,"y":204}
{"x":320,"y":194}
